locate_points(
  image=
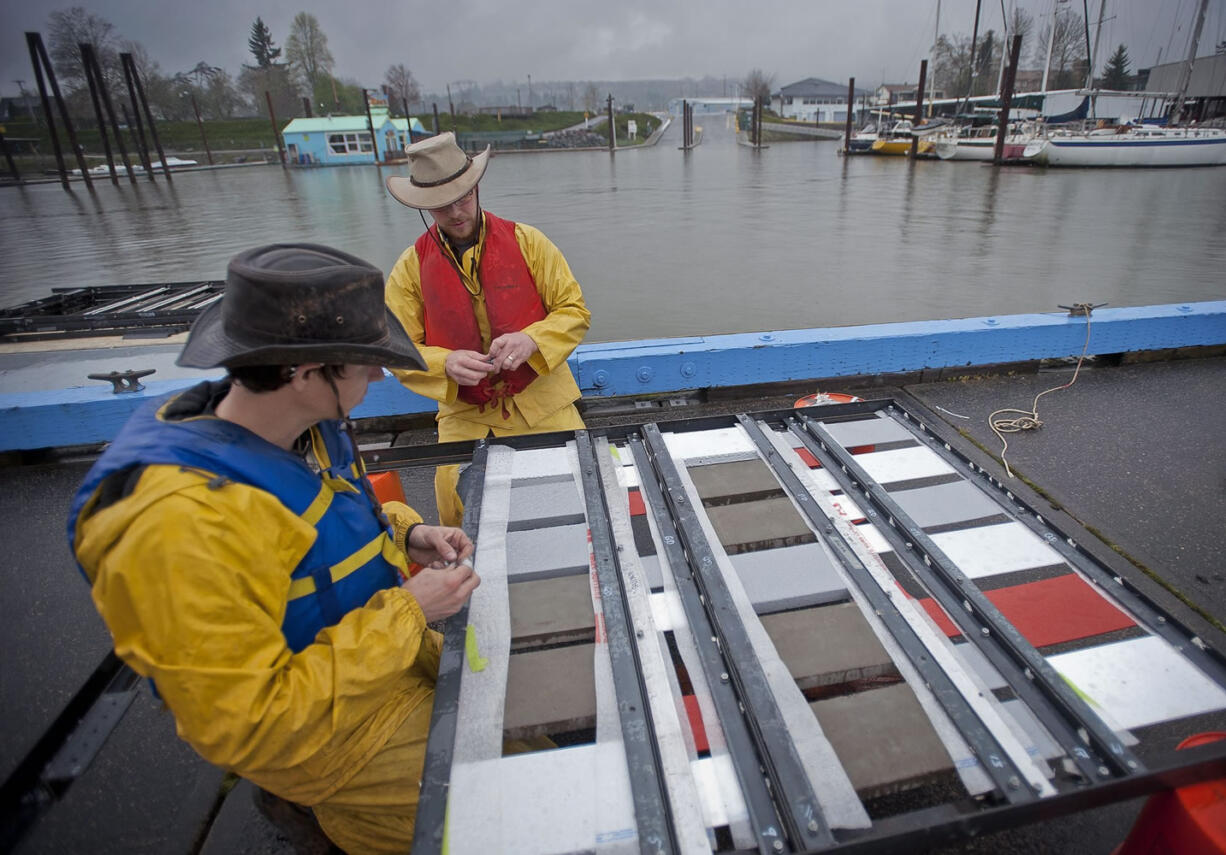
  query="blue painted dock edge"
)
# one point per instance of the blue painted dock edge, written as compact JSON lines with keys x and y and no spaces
{"x":86,"y":415}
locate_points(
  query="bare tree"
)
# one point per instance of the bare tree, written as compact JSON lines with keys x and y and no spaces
{"x":1068,"y":49}
{"x":401,"y":85}
{"x":68,"y":28}
{"x":591,"y":98}
{"x":306,"y":51}
{"x":758,"y":84}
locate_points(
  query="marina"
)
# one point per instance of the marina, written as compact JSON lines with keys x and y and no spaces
{"x":724,"y":282}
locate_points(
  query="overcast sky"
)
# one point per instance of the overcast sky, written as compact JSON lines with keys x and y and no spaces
{"x":490,"y":40}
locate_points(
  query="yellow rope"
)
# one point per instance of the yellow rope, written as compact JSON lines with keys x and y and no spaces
{"x":1029,"y":419}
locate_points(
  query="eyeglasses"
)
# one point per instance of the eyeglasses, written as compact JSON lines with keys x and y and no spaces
{"x":458,"y":203}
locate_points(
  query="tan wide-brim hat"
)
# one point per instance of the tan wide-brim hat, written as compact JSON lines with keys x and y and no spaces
{"x":439,"y":173}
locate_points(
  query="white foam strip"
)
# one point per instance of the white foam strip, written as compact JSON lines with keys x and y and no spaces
{"x":835,"y":794}
{"x":483,"y":693}
{"x":540,"y":463}
{"x":719,"y":442}
{"x":722,"y":803}
{"x":1140,"y":681}
{"x":974,"y":778}
{"x":688,"y":822}
{"x":683,"y":637}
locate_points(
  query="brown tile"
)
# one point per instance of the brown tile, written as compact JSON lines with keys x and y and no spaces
{"x":550,"y":691}
{"x":551,"y":611}
{"x":764,"y":524}
{"x":883,"y":739}
{"x":828,"y":646}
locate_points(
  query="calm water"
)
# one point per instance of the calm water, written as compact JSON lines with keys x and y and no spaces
{"x":666,"y":243}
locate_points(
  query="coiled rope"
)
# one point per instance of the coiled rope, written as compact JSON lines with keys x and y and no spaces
{"x":1029,"y":419}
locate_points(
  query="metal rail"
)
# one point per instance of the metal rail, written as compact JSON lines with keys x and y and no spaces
{"x":1010,"y":783}
{"x":652,"y":812}
{"x":430,"y":825}
{"x":1114,"y":585}
{"x":1061,"y":710}
{"x":750,"y":716}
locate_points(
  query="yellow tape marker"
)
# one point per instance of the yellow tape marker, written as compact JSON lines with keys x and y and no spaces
{"x":475,"y":661}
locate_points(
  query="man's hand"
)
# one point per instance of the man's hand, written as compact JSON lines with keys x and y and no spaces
{"x":441,"y":592}
{"x":511,"y":350}
{"x":438,"y":545}
{"x":467,"y":367}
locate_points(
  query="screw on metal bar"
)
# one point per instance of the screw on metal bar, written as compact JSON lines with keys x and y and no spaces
{"x":124,"y":381}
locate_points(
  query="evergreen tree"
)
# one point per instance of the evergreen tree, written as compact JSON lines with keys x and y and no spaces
{"x":261,"y":46}
{"x":1115,"y":75}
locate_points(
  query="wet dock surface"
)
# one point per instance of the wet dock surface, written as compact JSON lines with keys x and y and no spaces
{"x":1133,"y":454}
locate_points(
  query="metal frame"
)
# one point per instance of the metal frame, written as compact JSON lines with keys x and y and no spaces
{"x":652,"y":811}
{"x":1035,"y":681}
{"x":798,"y":809}
{"x":430,"y":824}
{"x":1009,"y":781}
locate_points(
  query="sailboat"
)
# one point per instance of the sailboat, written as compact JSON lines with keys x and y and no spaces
{"x":1140,"y":145}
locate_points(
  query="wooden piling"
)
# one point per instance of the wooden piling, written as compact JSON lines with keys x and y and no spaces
{"x":276,"y":135}
{"x":8,"y":157}
{"x":143,"y":104}
{"x":435,"y":104}
{"x":91,"y":60}
{"x":370,"y":126}
{"x":200,"y":124}
{"x":138,"y":137}
{"x":919,"y":107}
{"x":851,"y":103}
{"x":612,"y":127}
{"x":38,"y":55}
{"x":94,"y":85}
{"x":306,"y":108}
{"x":1006,"y":100}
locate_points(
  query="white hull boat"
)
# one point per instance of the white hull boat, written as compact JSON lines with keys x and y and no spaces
{"x":1131,"y":147}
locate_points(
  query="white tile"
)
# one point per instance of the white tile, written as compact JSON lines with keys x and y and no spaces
{"x":539,"y":463}
{"x":709,"y":443}
{"x":993,"y":549}
{"x":903,"y":464}
{"x":1140,"y":681}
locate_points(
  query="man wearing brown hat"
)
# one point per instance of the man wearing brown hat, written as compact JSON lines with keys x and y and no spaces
{"x":491,"y":304}
{"x":242,"y":563}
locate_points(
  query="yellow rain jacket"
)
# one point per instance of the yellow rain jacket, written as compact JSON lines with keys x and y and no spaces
{"x":547,"y":403}
{"x":193,"y":581}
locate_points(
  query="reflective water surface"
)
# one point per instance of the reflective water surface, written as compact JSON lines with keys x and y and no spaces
{"x":671,"y":243}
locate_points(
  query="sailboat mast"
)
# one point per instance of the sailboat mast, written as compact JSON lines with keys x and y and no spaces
{"x":1000,"y":77}
{"x":970,"y":87}
{"x":1185,"y":76}
{"x":1051,"y":43}
{"x":936,"y":34}
{"x":1098,"y":31}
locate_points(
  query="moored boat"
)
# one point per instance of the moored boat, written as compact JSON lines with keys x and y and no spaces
{"x":1130,"y":146}
{"x":980,"y":144}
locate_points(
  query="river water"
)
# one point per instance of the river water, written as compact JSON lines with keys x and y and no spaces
{"x":669,"y":243}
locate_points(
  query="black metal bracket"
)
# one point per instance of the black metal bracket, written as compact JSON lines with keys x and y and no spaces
{"x":123,"y":382}
{"x":652,"y":813}
{"x":700,"y":583}
{"x":1011,"y":785}
{"x":430,"y":822}
{"x":1061,"y":710}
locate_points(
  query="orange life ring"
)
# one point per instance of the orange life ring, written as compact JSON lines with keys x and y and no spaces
{"x":818,"y":399}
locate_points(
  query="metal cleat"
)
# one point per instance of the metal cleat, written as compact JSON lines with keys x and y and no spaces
{"x":124,"y":381}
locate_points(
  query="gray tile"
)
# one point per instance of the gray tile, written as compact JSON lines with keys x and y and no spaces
{"x":868,"y":432}
{"x":721,"y":483}
{"x":946,"y":503}
{"x":789,"y":578}
{"x":544,"y":499}
{"x":542,"y":553}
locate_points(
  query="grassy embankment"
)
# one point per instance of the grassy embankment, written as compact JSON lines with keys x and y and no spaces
{"x":247,"y":140}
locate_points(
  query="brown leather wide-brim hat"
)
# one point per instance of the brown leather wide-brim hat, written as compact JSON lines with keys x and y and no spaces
{"x":439,"y":173}
{"x":286,"y":304}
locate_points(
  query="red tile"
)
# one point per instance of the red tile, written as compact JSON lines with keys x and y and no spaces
{"x":696,"y":726}
{"x":1051,"y":611}
{"x":808,"y":458}
{"x":636,"y":504}
{"x":861,"y":449}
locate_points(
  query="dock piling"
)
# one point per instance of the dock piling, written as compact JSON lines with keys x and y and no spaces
{"x":919,"y":107}
{"x":1006,"y":100}
{"x":140,"y":102}
{"x":38,"y":56}
{"x":90,"y":58}
{"x":276,"y":135}
{"x":851,"y":100}
{"x":87,"y":51}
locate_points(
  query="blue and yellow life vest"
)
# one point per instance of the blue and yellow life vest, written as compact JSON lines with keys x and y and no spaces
{"x":353,"y":555}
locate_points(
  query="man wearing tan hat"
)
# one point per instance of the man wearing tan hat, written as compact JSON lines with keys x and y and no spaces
{"x":492,"y":306}
{"x":237,"y":552}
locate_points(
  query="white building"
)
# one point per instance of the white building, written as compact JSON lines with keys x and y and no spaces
{"x":813,"y":100}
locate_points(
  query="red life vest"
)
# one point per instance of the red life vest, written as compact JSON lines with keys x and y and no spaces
{"x":511,"y":303}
